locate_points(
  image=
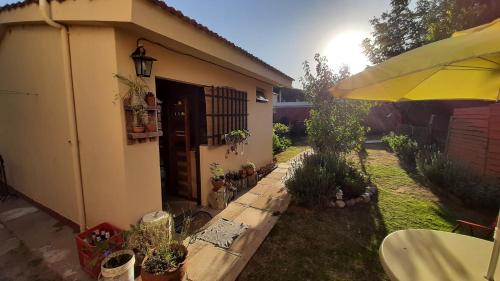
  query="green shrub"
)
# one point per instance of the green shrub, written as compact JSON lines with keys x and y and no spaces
{"x":315,"y":179}
{"x":280,"y":138}
{"x":334,"y":125}
{"x":337,"y":128}
{"x":405,"y":148}
{"x":281,"y":130}
{"x":474,"y":191}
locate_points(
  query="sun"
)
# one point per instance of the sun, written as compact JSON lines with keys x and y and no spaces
{"x":345,"y":48}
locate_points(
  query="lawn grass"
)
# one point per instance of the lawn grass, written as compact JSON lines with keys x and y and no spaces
{"x":342,"y":244}
{"x":299,"y":145}
{"x":289,"y":153}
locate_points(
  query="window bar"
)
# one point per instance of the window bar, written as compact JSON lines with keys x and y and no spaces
{"x":218,"y":116}
{"x":226,"y":113}
{"x":245,"y":107}
{"x":240,"y":120}
{"x":213,"y":116}
{"x":231,"y":111}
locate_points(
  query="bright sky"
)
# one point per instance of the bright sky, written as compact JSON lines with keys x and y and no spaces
{"x":284,"y":33}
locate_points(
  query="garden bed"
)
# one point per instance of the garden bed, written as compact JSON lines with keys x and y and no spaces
{"x":342,"y":244}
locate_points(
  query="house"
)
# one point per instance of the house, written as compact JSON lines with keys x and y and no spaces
{"x":290,"y":107}
{"x":66,"y":139}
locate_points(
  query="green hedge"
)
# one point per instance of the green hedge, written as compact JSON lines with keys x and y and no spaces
{"x":473,"y":190}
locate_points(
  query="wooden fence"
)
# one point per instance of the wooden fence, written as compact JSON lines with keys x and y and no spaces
{"x":474,"y":139}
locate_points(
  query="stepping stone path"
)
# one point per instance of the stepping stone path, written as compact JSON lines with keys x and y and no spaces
{"x":258,"y":209}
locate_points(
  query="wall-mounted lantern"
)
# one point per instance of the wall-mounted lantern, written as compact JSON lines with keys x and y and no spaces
{"x":143,"y":63}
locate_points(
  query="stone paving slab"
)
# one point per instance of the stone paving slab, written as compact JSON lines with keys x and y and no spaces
{"x":259,"y":208}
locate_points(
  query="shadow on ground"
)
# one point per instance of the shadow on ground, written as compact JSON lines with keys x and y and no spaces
{"x":333,"y":244}
{"x":342,"y":244}
{"x":35,"y":270}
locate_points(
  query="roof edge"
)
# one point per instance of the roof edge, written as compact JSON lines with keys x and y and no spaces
{"x":174,"y":12}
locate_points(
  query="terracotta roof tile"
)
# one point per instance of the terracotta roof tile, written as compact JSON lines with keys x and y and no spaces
{"x":162,"y":5}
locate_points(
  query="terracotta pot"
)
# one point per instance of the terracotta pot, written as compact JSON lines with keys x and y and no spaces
{"x":150,"y":99}
{"x":217,"y":184}
{"x":250,"y":171}
{"x":138,"y":129}
{"x":174,"y":275}
{"x":243,"y":173}
{"x":151,"y":127}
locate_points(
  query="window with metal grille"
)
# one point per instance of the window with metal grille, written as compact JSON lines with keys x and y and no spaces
{"x":226,"y":111}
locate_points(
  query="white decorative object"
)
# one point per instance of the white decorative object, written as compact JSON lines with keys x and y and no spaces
{"x":339,"y":195}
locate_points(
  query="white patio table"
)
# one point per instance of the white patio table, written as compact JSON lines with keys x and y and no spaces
{"x":428,"y":255}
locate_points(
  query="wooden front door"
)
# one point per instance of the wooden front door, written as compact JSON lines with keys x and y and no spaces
{"x":179,"y":146}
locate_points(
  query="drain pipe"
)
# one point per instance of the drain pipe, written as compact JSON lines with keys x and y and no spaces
{"x":70,"y":104}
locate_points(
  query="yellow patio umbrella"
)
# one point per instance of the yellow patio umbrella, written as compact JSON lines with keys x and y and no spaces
{"x":464,"y":66}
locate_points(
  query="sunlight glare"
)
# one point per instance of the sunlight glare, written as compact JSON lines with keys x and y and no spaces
{"x":345,"y":48}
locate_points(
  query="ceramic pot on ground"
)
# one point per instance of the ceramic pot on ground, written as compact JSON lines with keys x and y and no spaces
{"x":243,"y":174}
{"x":250,"y":171}
{"x":217,"y":184}
{"x":120,"y":272}
{"x":173,"y":275}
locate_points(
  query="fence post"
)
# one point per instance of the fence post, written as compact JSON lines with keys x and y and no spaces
{"x":447,"y":143}
{"x":487,"y":152}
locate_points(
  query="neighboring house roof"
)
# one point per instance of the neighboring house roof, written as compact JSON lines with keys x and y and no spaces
{"x":290,"y":94}
{"x":162,"y":5}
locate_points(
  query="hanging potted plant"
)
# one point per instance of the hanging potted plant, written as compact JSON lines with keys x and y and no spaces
{"x":135,"y":99}
{"x":249,"y":167}
{"x":160,"y":249}
{"x":217,"y":176}
{"x":236,"y":140}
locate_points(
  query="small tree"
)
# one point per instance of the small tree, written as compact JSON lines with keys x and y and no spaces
{"x":335,"y":125}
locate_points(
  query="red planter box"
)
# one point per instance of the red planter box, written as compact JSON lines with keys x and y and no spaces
{"x":90,"y":257}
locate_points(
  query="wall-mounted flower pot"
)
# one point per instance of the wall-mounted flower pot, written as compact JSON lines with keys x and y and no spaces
{"x":151,"y":127}
{"x":138,"y":129}
{"x":150,"y":99}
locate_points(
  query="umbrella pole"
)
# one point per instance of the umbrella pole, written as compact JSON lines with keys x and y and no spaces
{"x":495,"y":252}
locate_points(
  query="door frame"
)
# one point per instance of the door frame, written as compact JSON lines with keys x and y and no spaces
{"x":197,"y":153}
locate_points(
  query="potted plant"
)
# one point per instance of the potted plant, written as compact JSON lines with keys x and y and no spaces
{"x":119,"y":266}
{"x":234,"y":179}
{"x":135,"y":99}
{"x":243,"y":173}
{"x":249,"y":167}
{"x":165,"y":263}
{"x":150,"y":99}
{"x":236,"y":140}
{"x":159,"y":248}
{"x":140,"y":118}
{"x":217,"y":176}
{"x":151,"y":126}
